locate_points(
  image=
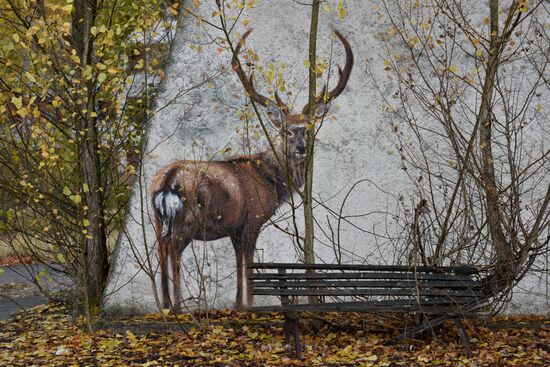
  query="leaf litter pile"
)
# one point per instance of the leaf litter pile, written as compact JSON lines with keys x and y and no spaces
{"x":49,"y":336}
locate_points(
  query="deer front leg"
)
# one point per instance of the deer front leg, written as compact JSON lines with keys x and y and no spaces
{"x":239,"y":255}
{"x":249,"y":259}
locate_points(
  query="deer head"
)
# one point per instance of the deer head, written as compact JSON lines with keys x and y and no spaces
{"x":292,"y":126}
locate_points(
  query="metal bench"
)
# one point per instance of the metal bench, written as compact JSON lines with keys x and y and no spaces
{"x":437,"y":293}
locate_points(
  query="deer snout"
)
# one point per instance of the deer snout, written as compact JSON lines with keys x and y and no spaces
{"x":301,"y":147}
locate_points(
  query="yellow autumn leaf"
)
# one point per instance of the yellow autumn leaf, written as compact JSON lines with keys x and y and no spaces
{"x":341,"y":10}
{"x":23,"y":112}
{"x":372,"y":358}
{"x":101,"y":77}
{"x":77,"y":199}
{"x":17,"y":102}
{"x":30,"y":77}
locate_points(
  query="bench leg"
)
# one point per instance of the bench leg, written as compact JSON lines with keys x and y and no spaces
{"x":463,"y":337}
{"x":292,"y":326}
{"x":297,"y":342}
{"x":287,"y":327}
{"x":427,"y":325}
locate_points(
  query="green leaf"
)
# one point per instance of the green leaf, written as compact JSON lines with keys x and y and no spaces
{"x":44,"y":272}
{"x":61,"y":258}
{"x":1,"y":270}
{"x":66,"y":191}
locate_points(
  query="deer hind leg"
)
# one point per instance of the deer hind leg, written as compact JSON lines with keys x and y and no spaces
{"x":169,"y":206}
{"x":175,"y":262}
{"x":163,"y":245}
{"x":164,"y":275}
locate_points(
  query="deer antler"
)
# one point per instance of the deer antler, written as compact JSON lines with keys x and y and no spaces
{"x":248,"y":82}
{"x":343,"y":75}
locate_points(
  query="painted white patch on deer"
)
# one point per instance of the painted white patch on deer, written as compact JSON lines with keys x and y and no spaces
{"x":168,"y":206}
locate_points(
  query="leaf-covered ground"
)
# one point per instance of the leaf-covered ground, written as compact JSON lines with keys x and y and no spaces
{"x":47,"y":336}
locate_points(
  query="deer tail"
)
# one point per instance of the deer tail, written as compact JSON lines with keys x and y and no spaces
{"x":168,"y":204}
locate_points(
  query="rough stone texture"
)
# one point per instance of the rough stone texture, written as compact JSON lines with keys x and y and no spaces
{"x":353,"y":145}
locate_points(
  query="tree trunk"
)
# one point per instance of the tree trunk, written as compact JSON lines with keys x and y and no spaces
{"x":505,"y":258}
{"x":95,"y":266}
{"x":309,"y":251}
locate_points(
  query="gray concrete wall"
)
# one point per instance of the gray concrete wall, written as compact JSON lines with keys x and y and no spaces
{"x":353,"y":145}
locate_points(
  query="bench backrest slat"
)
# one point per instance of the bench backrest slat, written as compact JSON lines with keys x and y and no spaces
{"x":360,"y":275}
{"x":463,"y":284}
{"x":398,"y":285}
{"x":465,"y":270}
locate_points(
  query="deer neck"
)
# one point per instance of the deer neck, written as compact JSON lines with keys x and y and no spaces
{"x":288,"y":167}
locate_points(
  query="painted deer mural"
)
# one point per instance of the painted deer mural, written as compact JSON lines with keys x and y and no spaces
{"x":208,"y":200}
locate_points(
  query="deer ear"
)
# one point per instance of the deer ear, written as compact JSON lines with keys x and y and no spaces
{"x":275,"y":115}
{"x":321,"y":109}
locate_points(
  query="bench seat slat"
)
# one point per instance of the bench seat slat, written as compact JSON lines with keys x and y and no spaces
{"x":465,"y":284}
{"x":366,"y":307}
{"x":365,"y":292}
{"x":404,"y":302}
{"x":359,"y":275}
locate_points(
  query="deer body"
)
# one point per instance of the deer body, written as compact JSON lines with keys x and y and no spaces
{"x":200,"y":200}
{"x":197,"y":200}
